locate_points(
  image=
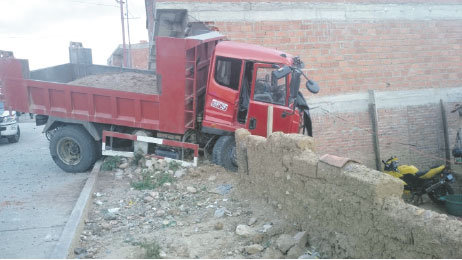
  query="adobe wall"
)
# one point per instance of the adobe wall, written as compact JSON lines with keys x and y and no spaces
{"x":349,"y":210}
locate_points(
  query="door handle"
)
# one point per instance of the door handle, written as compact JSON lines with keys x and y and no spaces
{"x":284,"y":114}
{"x":252,"y":123}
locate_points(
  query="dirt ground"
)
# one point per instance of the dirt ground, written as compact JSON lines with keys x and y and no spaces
{"x":195,"y":213}
{"x":185,"y":213}
{"x":127,"y":81}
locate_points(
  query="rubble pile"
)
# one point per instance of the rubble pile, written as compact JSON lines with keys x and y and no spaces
{"x":153,"y":208}
{"x":126,"y":81}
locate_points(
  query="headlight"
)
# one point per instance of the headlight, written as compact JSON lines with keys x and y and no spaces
{"x":9,"y":119}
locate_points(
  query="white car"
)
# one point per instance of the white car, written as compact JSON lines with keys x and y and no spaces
{"x":9,"y":127}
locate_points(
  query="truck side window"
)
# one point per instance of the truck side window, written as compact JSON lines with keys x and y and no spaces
{"x":227,"y":72}
{"x":270,"y":90}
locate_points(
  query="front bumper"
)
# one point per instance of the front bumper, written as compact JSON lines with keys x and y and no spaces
{"x":8,"y":129}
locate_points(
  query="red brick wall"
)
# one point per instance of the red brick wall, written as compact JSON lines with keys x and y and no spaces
{"x":357,"y":56}
{"x":344,"y":134}
{"x":414,"y":134}
{"x":140,"y":58}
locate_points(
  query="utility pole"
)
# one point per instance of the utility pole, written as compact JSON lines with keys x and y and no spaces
{"x":124,"y":51}
{"x":128,"y":32}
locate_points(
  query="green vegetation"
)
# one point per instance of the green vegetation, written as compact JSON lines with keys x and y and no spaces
{"x":152,"y":250}
{"x":173,"y":165}
{"x":110,"y":163}
{"x":138,"y":156}
{"x":149,"y":181}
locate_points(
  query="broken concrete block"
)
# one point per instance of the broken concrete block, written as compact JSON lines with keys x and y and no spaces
{"x":301,"y":238}
{"x":253,"y":249}
{"x":244,"y":231}
{"x":295,"y":252}
{"x":272,"y":253}
{"x":285,"y":242}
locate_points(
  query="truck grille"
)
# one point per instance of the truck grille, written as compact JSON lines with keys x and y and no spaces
{"x":1,"y":119}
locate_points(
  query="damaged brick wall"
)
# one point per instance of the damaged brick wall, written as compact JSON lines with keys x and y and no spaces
{"x":349,"y":210}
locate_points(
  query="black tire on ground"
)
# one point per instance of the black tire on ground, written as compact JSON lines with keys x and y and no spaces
{"x":441,"y":191}
{"x":224,"y":153}
{"x":73,"y":149}
{"x":15,"y":138}
{"x":98,"y":150}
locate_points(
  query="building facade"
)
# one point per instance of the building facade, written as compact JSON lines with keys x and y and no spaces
{"x":138,"y":56}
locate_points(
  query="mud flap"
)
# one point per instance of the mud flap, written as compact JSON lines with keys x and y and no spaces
{"x":307,"y":124}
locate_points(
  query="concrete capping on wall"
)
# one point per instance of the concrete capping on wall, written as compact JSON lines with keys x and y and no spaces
{"x":358,"y":102}
{"x":294,"y":11}
{"x":349,"y":211}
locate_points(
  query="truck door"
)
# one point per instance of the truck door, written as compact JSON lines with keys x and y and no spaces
{"x":266,"y":92}
{"x":223,"y":93}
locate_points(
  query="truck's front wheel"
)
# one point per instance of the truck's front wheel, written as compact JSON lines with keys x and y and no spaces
{"x":224,"y":153}
{"x":73,"y":149}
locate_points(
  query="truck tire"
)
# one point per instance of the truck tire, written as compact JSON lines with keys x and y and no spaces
{"x":15,"y":138}
{"x":73,"y":149}
{"x":224,"y":153}
{"x":98,"y":151}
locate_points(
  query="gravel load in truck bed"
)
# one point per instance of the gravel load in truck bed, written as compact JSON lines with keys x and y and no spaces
{"x":126,"y":81}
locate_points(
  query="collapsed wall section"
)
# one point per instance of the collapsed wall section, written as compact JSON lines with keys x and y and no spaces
{"x":349,"y":210}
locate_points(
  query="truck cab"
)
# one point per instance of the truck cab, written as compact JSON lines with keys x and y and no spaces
{"x":256,"y":88}
{"x":242,"y":88}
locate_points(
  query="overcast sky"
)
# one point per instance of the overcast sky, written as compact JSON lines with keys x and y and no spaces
{"x":40,"y":30}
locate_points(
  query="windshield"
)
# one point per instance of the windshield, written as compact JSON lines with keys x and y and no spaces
{"x":2,"y":108}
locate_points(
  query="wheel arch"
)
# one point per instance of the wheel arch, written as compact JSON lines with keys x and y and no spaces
{"x":95,"y":130}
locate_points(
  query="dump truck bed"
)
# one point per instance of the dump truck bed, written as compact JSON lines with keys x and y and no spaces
{"x":93,"y":104}
{"x":182,"y":70}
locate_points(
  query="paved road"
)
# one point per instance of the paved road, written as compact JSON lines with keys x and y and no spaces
{"x":36,"y":196}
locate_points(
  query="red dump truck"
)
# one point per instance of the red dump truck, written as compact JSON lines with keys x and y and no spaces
{"x":207,"y":87}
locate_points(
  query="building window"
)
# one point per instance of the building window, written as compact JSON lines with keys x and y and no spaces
{"x":227,"y":72}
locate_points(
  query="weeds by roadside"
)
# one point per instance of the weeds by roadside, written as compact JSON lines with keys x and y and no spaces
{"x":137,"y":157}
{"x":173,"y":165}
{"x":110,"y":163}
{"x":150,"y":180}
{"x":152,"y":250}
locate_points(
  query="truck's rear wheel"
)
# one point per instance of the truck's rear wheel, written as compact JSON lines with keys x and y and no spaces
{"x":224,"y":153}
{"x":73,"y":149}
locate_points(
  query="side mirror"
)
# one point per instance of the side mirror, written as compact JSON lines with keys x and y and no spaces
{"x":295,"y":83}
{"x":312,"y":86}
